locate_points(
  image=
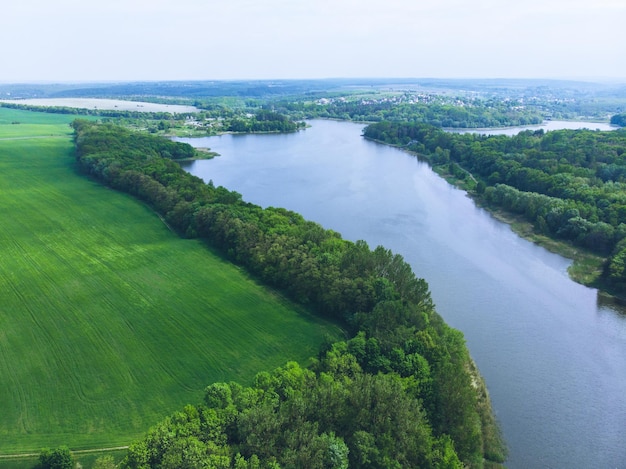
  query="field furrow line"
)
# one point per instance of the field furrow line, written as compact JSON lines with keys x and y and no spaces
{"x":23,"y":404}
{"x":14,"y":383}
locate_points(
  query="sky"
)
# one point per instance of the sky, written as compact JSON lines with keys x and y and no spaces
{"x":134,"y":40}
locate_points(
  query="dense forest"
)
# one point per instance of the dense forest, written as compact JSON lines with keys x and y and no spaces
{"x":569,"y":183}
{"x":401,"y":391}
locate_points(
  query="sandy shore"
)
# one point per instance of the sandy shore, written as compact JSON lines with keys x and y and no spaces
{"x":104,"y":104}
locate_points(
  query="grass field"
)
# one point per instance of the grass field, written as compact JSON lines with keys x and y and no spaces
{"x":108,"y":321}
{"x":15,"y":123}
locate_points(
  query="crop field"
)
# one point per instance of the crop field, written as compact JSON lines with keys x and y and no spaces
{"x":15,"y":123}
{"x":109,"y":321}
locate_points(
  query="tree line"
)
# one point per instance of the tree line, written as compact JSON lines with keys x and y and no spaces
{"x":401,"y":392}
{"x":439,"y":112}
{"x":569,"y":183}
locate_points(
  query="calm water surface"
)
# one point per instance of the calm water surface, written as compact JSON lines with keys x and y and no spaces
{"x":546,"y":126}
{"x":552,"y":352}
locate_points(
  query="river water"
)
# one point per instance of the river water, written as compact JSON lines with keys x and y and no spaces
{"x":546,"y":126}
{"x":553,"y":353}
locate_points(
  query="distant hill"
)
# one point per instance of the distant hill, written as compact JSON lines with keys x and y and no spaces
{"x":269,"y":88}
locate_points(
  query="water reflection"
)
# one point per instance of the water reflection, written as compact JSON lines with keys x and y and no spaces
{"x":610,"y":303}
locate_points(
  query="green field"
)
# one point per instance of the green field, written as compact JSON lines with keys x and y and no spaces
{"x":15,"y":123}
{"x":109,"y":321}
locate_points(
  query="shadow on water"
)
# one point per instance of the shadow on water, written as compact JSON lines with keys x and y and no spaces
{"x":613,"y":304}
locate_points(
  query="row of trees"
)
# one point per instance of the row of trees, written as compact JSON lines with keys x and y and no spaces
{"x":396,"y":332}
{"x":569,"y":183}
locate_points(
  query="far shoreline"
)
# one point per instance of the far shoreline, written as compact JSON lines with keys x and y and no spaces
{"x":101,"y":104}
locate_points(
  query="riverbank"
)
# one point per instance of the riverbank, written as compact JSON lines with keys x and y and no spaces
{"x":587,"y":267}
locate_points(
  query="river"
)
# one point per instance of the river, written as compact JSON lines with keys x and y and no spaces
{"x":552,"y":352}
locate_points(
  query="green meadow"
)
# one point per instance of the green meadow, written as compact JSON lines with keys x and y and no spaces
{"x":15,"y":123}
{"x":108,"y":320}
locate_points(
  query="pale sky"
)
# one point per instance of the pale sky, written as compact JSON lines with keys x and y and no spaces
{"x":120,"y":40}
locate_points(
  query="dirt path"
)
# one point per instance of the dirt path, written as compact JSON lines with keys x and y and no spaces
{"x":79,"y":451}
